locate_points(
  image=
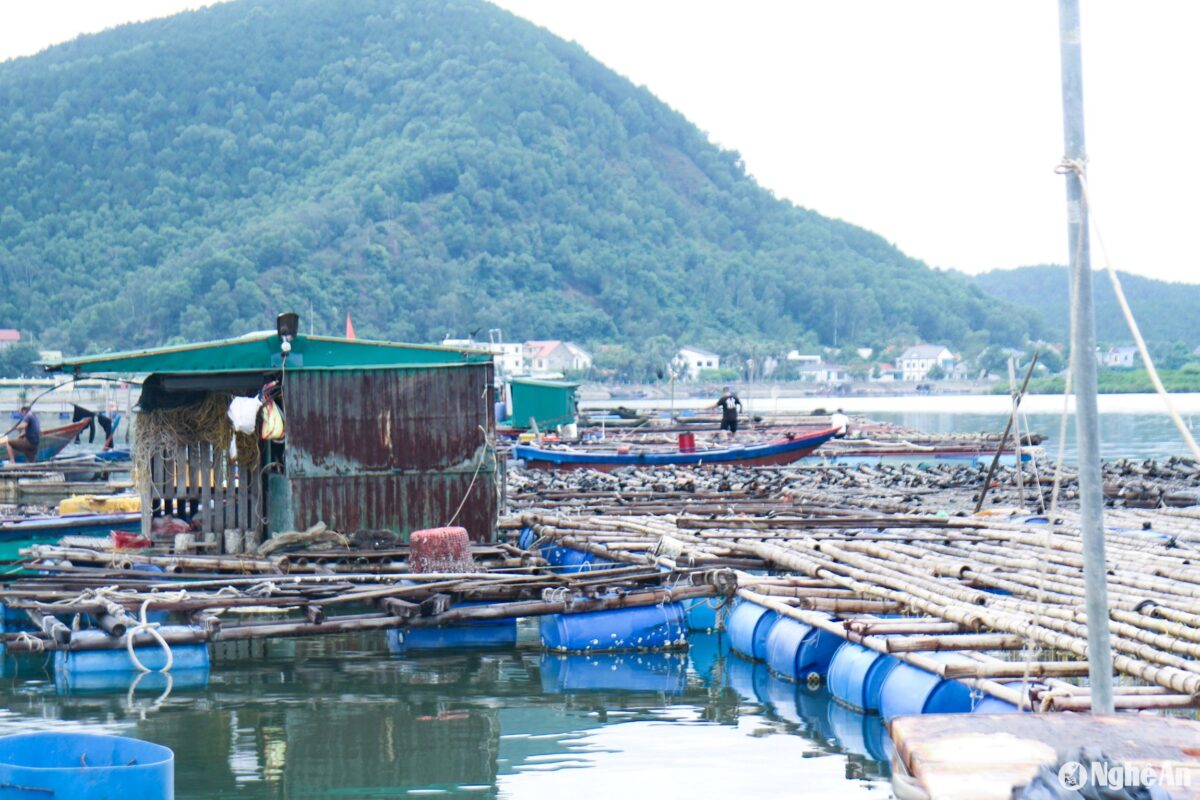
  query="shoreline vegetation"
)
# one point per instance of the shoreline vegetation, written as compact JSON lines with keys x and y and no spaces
{"x":1136,"y":381}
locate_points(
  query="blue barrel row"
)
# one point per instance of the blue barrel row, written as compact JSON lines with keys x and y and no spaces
{"x":863,"y":679}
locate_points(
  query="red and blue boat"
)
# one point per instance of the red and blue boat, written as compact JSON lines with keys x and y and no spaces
{"x":53,"y":442}
{"x":786,"y":450}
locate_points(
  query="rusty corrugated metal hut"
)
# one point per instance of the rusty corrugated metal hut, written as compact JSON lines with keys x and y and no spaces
{"x":379,"y":435}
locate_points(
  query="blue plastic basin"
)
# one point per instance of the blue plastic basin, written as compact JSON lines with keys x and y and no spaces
{"x":84,"y":766}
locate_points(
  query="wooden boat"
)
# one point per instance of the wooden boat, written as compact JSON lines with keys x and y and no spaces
{"x":777,"y":451}
{"x":18,"y":533}
{"x":53,"y":441}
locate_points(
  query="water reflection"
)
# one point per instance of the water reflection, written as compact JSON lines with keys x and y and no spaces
{"x":345,"y":718}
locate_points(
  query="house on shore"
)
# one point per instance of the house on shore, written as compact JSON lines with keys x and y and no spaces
{"x":694,"y":360}
{"x":1119,"y":357}
{"x":554,"y":355}
{"x":917,"y":361}
{"x":824,"y":373}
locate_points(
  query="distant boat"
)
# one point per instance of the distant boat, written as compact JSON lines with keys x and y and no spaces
{"x":775,"y":452}
{"x":53,"y":441}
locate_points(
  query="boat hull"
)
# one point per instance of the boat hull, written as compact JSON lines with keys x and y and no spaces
{"x":784,"y":451}
{"x":53,"y":441}
{"x":18,"y":534}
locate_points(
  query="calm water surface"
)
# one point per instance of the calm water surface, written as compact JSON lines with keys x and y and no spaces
{"x":344,"y":718}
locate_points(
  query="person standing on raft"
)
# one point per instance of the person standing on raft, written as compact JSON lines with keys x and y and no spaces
{"x":29,"y":436}
{"x":730,"y":406}
{"x":839,"y":422}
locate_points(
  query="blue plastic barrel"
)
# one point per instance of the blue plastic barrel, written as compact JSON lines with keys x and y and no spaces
{"x":13,"y":620}
{"x":702,"y":614}
{"x":994,"y":705}
{"x":637,"y":628}
{"x":909,"y":690}
{"x":582,"y":561}
{"x":749,"y":625}
{"x":554,"y":555}
{"x":856,"y":676}
{"x":153,"y":657}
{"x":795,"y":650}
{"x":526,"y":539}
{"x":84,"y":766}
{"x":466,"y":635}
{"x":622,"y":672}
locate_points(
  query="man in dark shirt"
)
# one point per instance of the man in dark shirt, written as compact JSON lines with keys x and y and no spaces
{"x":730,"y":406}
{"x":28,"y":436}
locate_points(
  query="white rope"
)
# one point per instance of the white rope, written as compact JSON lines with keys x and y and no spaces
{"x":34,"y":644}
{"x":151,"y":628}
{"x":1080,"y":171}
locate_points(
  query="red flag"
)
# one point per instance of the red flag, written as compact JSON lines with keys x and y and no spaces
{"x":349,"y":328}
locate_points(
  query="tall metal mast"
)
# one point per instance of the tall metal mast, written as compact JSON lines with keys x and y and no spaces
{"x":1083,"y":365}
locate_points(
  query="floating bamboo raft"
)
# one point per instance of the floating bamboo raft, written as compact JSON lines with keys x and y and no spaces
{"x":1005,"y":590}
{"x":850,"y":551}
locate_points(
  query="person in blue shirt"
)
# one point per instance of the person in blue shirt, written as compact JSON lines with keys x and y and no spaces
{"x":28,"y":436}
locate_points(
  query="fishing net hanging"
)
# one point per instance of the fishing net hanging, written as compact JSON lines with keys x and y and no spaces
{"x":164,"y":430}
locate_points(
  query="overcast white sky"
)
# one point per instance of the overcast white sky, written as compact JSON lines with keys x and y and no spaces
{"x":933,"y":122}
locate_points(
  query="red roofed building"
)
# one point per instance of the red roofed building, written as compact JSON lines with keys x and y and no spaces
{"x":9,"y":337}
{"x":552,"y":355}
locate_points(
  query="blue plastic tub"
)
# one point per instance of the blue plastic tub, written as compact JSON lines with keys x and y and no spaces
{"x":748,"y":626}
{"x":84,"y":766}
{"x":856,"y":676}
{"x":153,"y":657}
{"x":795,"y":650}
{"x":621,"y":629}
{"x":624,"y":672}
{"x":909,"y":690}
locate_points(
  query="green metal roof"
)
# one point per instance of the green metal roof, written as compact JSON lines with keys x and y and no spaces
{"x":546,"y":383}
{"x":260,"y":352}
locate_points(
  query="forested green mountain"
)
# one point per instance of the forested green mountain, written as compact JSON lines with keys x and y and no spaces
{"x":1165,"y":312}
{"x":429,"y":166}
